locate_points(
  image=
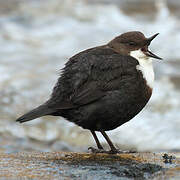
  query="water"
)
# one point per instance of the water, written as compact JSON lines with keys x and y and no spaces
{"x":37,"y":38}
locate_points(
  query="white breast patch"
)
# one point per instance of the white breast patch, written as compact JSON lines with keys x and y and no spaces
{"x":145,"y":66}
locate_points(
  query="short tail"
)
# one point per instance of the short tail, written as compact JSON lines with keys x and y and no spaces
{"x":40,"y":111}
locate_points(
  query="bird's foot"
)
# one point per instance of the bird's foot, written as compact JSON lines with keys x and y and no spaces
{"x":94,"y":150}
{"x":118,"y":151}
{"x":112,"y":151}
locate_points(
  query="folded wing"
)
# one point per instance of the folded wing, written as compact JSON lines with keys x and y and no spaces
{"x":89,"y":75}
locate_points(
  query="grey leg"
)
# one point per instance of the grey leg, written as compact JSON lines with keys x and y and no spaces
{"x":96,"y":139}
{"x":113,"y":148}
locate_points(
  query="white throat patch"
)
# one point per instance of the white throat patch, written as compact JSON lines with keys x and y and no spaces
{"x":145,"y":66}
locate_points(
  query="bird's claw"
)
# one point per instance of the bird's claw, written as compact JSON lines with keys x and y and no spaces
{"x":112,"y":151}
{"x":94,"y":150}
{"x":117,"y":151}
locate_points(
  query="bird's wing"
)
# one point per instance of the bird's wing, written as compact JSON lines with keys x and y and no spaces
{"x":88,"y":76}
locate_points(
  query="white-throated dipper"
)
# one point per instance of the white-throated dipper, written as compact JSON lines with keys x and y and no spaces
{"x":103,"y":87}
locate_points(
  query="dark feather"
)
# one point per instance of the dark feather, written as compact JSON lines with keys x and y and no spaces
{"x":88,"y":75}
{"x":35,"y":113}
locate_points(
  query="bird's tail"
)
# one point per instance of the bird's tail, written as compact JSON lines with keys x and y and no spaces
{"x":40,"y":111}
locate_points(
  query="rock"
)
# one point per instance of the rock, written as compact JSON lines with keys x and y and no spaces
{"x":65,"y":165}
{"x":133,"y":8}
{"x":174,"y":7}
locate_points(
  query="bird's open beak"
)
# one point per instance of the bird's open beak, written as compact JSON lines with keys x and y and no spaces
{"x":149,"y":53}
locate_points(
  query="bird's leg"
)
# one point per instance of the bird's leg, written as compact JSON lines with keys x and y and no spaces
{"x":113,"y":148}
{"x":96,"y":139}
{"x":100,"y":148}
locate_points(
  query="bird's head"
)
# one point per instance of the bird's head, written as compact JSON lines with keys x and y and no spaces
{"x":133,"y":43}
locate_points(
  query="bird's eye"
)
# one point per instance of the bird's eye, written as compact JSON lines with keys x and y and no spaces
{"x":131,"y":43}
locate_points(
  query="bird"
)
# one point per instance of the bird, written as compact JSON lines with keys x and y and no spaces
{"x":103,"y":87}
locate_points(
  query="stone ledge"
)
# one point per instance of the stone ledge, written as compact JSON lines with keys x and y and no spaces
{"x":63,"y":165}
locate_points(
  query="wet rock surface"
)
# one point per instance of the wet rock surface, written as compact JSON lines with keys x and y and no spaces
{"x":36,"y":39}
{"x":89,"y":166}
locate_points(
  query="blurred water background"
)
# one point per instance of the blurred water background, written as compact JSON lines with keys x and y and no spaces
{"x":38,"y":36}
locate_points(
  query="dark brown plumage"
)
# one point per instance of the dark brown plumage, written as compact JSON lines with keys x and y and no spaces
{"x":100,"y":88}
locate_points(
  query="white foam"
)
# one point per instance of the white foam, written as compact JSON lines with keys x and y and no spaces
{"x":41,"y":36}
